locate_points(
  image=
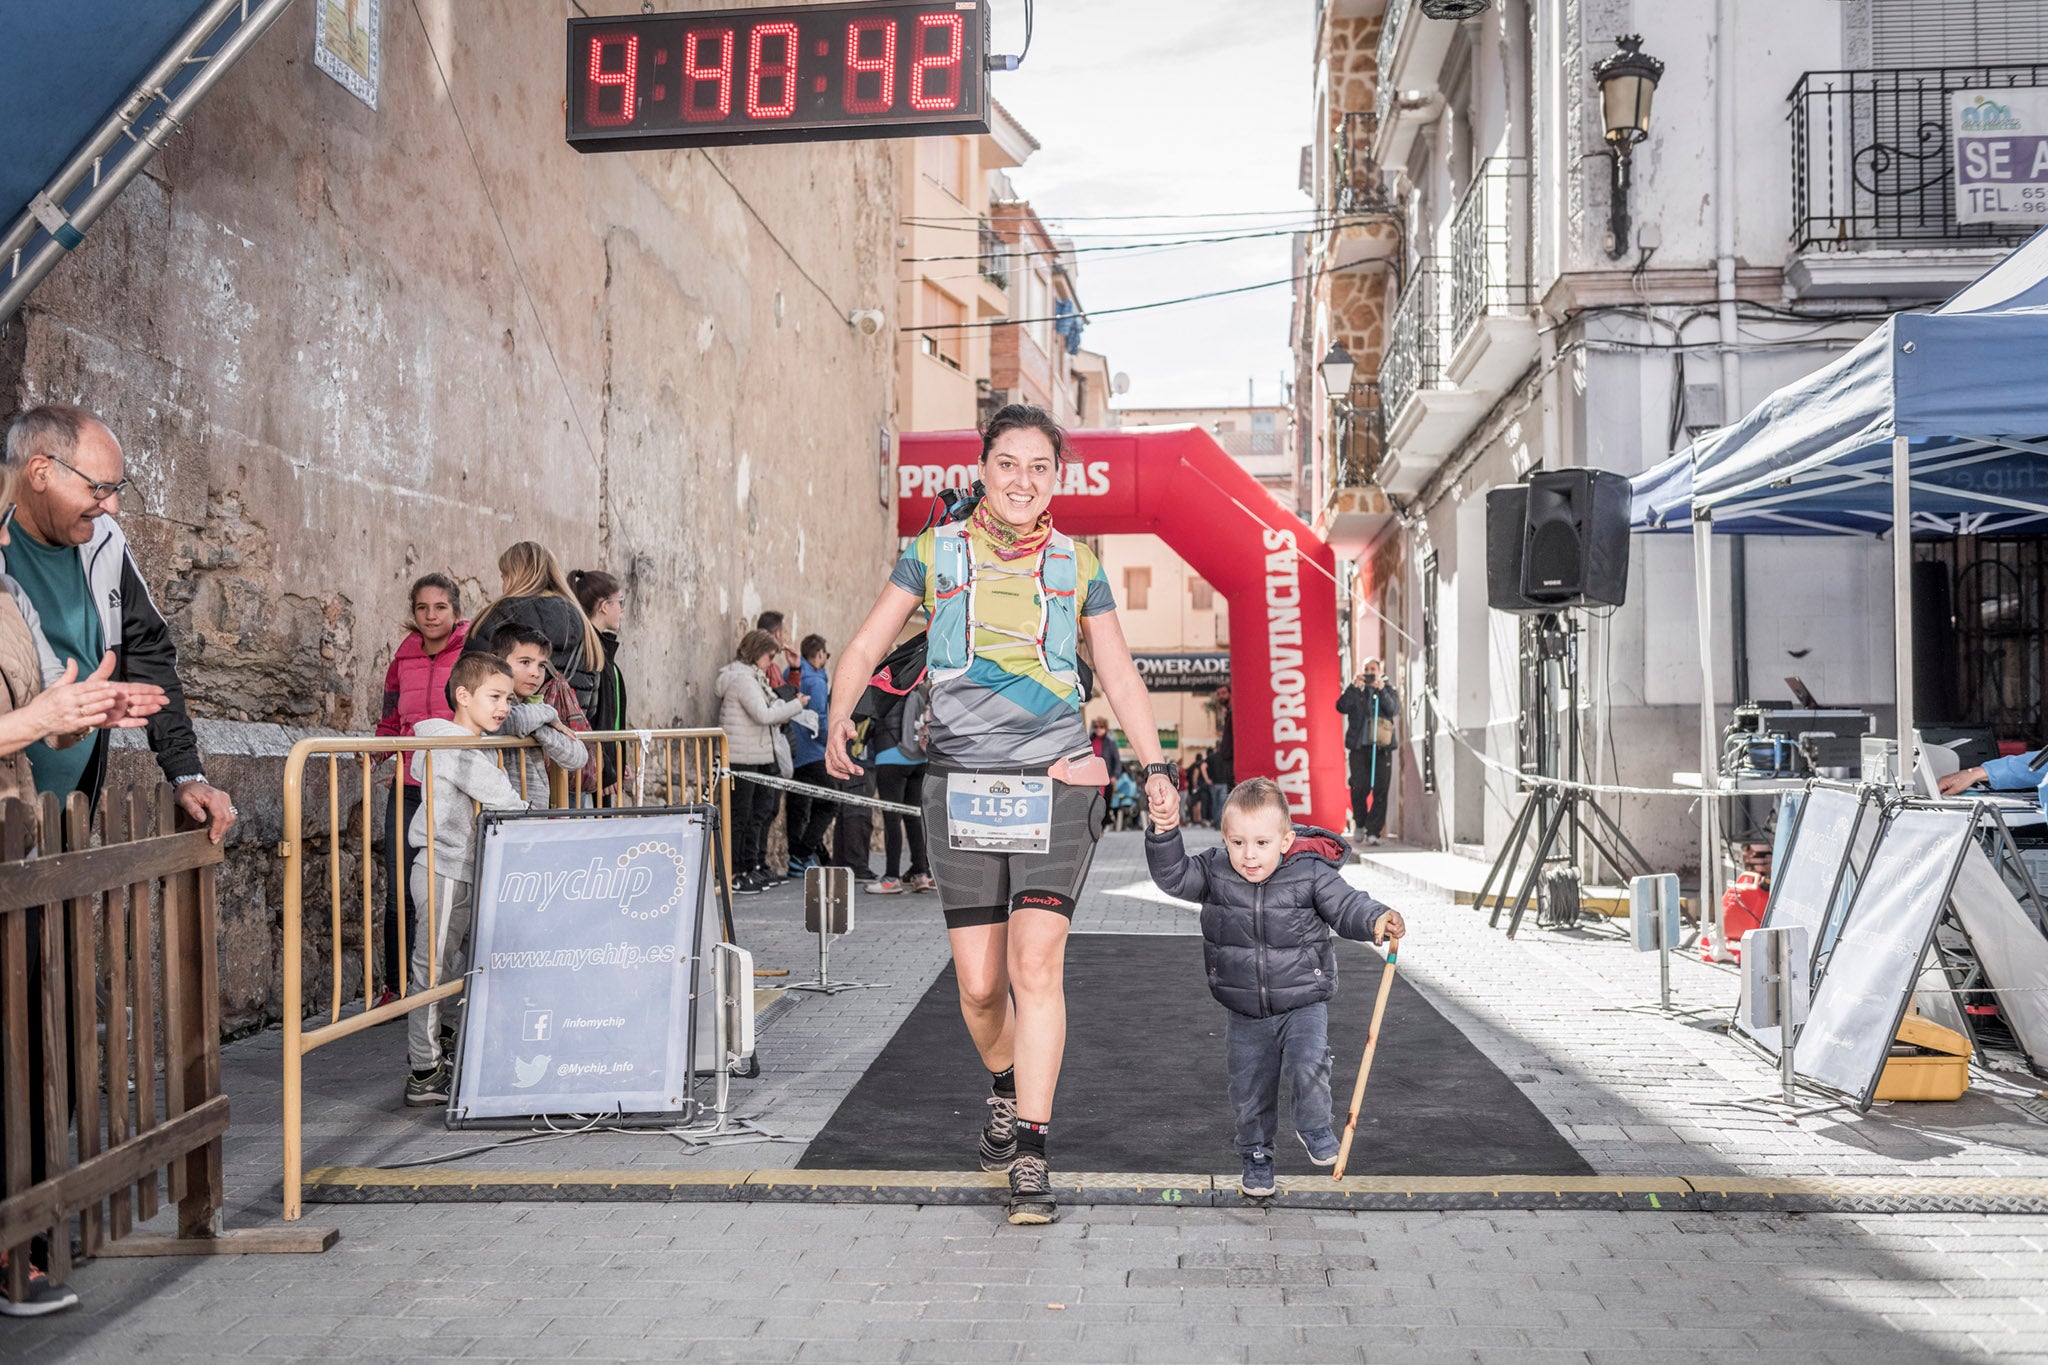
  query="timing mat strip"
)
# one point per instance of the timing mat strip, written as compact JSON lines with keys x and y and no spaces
{"x":1648,"y":1194}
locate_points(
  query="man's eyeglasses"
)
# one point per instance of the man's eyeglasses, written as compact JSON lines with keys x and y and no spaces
{"x":101,"y":492}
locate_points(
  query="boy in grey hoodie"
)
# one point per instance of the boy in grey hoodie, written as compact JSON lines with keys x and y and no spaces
{"x":525,"y":652}
{"x":480,"y":691}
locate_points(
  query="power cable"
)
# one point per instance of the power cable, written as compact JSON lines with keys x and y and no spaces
{"x":747,"y":204}
{"x":518,"y":270}
{"x":1162,"y":245}
{"x":1094,"y":313}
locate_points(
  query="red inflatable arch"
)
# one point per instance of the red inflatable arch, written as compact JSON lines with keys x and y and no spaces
{"x":1176,"y":483}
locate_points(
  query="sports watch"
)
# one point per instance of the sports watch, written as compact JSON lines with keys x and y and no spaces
{"x":1161,"y":770}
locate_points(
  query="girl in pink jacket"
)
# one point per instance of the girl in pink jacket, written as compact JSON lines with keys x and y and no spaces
{"x":415,"y":689}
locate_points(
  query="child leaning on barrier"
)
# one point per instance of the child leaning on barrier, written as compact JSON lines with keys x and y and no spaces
{"x":525,"y":652}
{"x":1270,"y":898}
{"x":461,"y":781}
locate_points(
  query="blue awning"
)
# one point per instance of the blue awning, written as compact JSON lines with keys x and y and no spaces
{"x":65,"y":65}
{"x":1968,"y":384}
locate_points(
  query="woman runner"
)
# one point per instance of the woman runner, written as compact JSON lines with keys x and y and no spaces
{"x":1009,"y":601}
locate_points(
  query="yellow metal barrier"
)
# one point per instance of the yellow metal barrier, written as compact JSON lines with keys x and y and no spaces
{"x":649,"y":767}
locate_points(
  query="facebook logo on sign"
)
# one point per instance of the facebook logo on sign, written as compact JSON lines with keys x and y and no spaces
{"x":536,"y":1026}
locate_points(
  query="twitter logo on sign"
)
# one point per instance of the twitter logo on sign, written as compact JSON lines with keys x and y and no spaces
{"x":526,"y":1075}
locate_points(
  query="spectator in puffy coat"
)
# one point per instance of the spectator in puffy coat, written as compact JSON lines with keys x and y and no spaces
{"x":415,"y":689}
{"x":749,"y":712}
{"x":536,"y":593}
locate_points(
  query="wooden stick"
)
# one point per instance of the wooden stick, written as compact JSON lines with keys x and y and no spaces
{"x":1372,"y":1040}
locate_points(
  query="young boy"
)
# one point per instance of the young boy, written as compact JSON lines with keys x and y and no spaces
{"x":1270,"y":898}
{"x":480,"y":691}
{"x":526,"y":652}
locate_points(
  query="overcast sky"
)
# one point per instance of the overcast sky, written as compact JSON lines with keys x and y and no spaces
{"x":1170,"y":107}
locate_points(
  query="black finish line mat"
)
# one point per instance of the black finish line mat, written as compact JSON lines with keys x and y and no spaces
{"x":1144,"y":1088}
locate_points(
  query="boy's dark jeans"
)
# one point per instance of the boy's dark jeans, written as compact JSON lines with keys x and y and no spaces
{"x":1296,"y":1045}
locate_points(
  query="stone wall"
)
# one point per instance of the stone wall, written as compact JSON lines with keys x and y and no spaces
{"x":346,"y":346}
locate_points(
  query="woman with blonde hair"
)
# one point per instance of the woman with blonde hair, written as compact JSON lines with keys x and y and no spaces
{"x":536,"y":593}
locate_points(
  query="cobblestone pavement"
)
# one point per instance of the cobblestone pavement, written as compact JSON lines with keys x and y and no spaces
{"x":1635,"y":1092}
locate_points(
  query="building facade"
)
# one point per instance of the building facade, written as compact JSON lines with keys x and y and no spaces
{"x":1506,"y":318}
{"x":345,"y":345}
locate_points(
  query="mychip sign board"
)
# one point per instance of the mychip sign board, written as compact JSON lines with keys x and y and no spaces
{"x":2001,"y":154}
{"x":589,"y":930}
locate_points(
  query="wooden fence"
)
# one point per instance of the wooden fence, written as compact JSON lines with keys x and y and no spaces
{"x":112,"y":948}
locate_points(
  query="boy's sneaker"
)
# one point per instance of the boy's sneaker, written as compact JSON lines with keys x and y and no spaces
{"x":1031,"y":1200}
{"x":424,"y":1089}
{"x":888,"y":886}
{"x":999,"y":1139}
{"x":385,"y":997}
{"x":923,"y":882}
{"x":1256,"y":1181}
{"x":1322,"y":1145}
{"x":43,"y":1297}
{"x":746,"y":885}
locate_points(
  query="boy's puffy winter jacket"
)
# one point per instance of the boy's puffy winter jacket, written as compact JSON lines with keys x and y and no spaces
{"x":748,"y":713}
{"x":1267,"y":944}
{"x":815,"y":689}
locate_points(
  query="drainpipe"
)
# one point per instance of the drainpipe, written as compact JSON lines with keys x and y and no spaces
{"x":1725,"y":190}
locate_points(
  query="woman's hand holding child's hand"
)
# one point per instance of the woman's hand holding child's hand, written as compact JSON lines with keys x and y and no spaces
{"x":1163,"y":802}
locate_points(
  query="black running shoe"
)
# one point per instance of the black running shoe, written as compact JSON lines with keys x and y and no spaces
{"x":746,"y":885}
{"x":1031,"y":1200}
{"x":999,"y":1139}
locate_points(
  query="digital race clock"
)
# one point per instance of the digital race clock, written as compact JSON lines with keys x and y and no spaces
{"x":779,"y":73}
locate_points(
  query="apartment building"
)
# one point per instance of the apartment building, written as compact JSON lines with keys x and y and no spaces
{"x":1521,"y":289}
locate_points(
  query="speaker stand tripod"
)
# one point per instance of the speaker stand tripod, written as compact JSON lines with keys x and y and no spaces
{"x":1553,"y":812}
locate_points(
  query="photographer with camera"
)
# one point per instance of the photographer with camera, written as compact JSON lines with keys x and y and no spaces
{"x":1370,"y":706}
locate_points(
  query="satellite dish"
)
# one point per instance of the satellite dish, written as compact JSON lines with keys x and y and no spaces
{"x":1120,"y":384}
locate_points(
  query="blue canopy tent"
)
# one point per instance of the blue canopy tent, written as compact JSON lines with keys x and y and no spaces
{"x":1936,"y":421}
{"x":90,"y":91}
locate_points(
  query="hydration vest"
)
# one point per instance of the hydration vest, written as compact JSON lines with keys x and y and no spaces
{"x":1055,"y":575}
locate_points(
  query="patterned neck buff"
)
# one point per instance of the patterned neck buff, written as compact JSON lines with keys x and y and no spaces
{"x":1006,"y":540}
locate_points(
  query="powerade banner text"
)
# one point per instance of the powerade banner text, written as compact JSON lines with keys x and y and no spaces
{"x":1278,"y":576}
{"x":1183,"y":672}
{"x":585,"y":955}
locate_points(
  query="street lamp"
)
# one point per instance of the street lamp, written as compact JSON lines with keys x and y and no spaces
{"x":1628,"y":79}
{"x":1338,"y":367}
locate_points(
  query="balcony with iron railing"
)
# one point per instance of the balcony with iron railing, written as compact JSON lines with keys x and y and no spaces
{"x":1362,"y":439}
{"x":1412,"y":51}
{"x":1390,"y":44}
{"x":1873,"y":174}
{"x":1364,"y":225}
{"x":995,"y":256}
{"x":1427,"y":412}
{"x":1492,"y":326}
{"x":1354,"y":508}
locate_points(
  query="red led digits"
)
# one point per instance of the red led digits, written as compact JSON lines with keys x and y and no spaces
{"x":760,"y":72}
{"x":945,"y":63}
{"x":627,"y":45}
{"x":883,"y":67}
{"x":696,"y":74}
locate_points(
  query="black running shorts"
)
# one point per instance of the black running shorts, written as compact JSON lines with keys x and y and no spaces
{"x":983,"y":888}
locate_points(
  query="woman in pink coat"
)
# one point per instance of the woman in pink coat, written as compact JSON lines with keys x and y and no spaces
{"x":415,"y":688}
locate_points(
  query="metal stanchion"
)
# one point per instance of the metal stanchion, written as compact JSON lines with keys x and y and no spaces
{"x":1776,"y":986}
{"x":828,"y":910}
{"x":1655,"y":927}
{"x":732,"y":971}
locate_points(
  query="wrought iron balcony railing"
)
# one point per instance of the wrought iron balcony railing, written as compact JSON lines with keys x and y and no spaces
{"x":995,"y":256}
{"x":1356,"y":185}
{"x":1872,"y":164}
{"x":1390,"y":43}
{"x":1414,"y":356}
{"x":1490,"y":245}
{"x":1362,"y":439}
